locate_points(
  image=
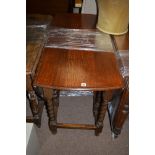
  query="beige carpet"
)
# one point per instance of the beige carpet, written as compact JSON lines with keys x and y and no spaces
{"x":80,"y":142}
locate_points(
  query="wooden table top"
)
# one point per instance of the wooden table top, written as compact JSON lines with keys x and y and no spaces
{"x":36,"y":25}
{"x":71,"y":69}
{"x":33,"y":52}
{"x":75,"y":21}
{"x":78,"y":70}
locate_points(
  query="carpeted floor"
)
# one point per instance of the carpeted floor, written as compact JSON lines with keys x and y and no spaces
{"x":80,"y":142}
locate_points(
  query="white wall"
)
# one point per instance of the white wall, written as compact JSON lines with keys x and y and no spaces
{"x":89,"y":7}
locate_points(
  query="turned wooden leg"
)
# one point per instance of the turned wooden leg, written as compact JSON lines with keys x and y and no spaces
{"x":55,"y":100}
{"x":102,"y":111}
{"x":96,"y":103}
{"x":33,"y":101}
{"x":50,"y":96}
{"x":122,"y":111}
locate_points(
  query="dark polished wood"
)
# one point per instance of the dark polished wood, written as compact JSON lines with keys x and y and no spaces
{"x":35,"y":105}
{"x":120,"y":115}
{"x":78,"y":70}
{"x":36,"y":120}
{"x":33,"y":52}
{"x":55,"y":100}
{"x":36,"y":25}
{"x":97,"y":100}
{"x":49,"y":7}
{"x":106,"y":97}
{"x":75,"y":21}
{"x":48,"y":95}
{"x":122,"y":110}
{"x":32,"y":98}
{"x":62,"y":69}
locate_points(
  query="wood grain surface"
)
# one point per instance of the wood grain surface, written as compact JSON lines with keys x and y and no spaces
{"x":33,"y":52}
{"x":78,"y":70}
{"x":76,"y":126}
{"x":77,"y":21}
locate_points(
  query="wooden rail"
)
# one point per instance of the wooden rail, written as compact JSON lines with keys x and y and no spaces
{"x":76,"y":126}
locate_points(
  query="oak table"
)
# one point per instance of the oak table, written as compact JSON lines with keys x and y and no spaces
{"x":121,"y":108}
{"x":35,"y":38}
{"x":32,"y":57}
{"x":71,"y":69}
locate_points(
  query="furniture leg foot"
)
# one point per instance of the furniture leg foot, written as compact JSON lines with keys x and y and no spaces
{"x":53,"y":127}
{"x":34,"y":106}
{"x":99,"y":128}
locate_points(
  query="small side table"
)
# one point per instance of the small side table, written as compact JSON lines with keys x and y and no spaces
{"x":33,"y":53}
{"x":35,"y":39}
{"x":62,"y":69}
{"x":72,"y":69}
